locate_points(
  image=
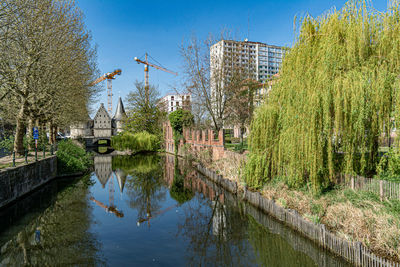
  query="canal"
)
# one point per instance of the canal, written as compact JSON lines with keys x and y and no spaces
{"x":146,"y":210}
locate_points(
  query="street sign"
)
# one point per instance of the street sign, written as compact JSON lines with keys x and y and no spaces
{"x":35,"y":133}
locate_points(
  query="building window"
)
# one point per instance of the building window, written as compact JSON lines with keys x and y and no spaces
{"x":172,"y":97}
{"x":172,"y":103}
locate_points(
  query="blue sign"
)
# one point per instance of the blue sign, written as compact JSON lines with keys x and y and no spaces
{"x":35,"y":133}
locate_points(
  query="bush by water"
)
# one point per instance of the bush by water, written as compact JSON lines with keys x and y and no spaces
{"x":138,"y":142}
{"x":71,"y":158}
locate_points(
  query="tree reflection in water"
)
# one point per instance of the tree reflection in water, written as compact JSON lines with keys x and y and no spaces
{"x":145,"y":187}
{"x":214,"y":232}
{"x":59,"y":236}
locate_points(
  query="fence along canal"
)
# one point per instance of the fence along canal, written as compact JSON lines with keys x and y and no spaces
{"x":353,"y":252}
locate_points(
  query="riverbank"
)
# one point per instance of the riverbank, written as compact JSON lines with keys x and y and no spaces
{"x":352,"y":217}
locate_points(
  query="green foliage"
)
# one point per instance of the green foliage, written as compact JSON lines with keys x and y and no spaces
{"x":389,"y":166}
{"x":178,"y":190}
{"x":72,"y":158}
{"x":138,"y":164}
{"x":180,"y":118}
{"x":7,"y":143}
{"x":144,"y":115}
{"x":139,"y":142}
{"x":335,"y":97}
{"x":143,"y":119}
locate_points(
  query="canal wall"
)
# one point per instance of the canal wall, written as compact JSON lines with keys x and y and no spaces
{"x":354,"y":252}
{"x":18,"y":181}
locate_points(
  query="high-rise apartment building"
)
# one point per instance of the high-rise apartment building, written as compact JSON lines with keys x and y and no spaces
{"x":173,"y":102}
{"x":259,"y":59}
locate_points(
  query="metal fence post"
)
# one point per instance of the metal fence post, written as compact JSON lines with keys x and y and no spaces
{"x":51,"y":149}
{"x":13,"y":164}
{"x":44,"y":151}
{"x":26,"y":155}
{"x":35,"y":153}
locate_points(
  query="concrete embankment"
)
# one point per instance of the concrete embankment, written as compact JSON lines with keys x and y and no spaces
{"x":18,"y":181}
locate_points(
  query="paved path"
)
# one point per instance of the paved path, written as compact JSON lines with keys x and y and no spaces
{"x":7,"y":160}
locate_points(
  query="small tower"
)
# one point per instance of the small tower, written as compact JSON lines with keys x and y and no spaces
{"x":119,"y":117}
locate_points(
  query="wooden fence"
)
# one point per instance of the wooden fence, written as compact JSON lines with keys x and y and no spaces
{"x":384,"y":189}
{"x":353,"y":252}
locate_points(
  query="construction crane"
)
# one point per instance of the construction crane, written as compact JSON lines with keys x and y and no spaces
{"x":110,"y":209}
{"x":146,"y":73}
{"x":150,"y":216}
{"x":109,"y":76}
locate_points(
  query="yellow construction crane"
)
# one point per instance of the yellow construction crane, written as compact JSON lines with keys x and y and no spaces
{"x":146,"y":73}
{"x":109,"y":76}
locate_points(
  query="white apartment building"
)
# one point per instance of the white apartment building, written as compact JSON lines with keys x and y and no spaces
{"x":172,"y":102}
{"x":260,"y":59}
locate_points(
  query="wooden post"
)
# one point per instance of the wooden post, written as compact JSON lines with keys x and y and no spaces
{"x":352,"y":182}
{"x":381,"y":189}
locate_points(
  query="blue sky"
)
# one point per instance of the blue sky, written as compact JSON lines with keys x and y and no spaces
{"x":124,"y":29}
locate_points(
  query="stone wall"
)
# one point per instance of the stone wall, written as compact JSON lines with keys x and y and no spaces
{"x":18,"y":181}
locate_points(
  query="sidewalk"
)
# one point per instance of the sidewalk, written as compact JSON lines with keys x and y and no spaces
{"x":7,"y":161}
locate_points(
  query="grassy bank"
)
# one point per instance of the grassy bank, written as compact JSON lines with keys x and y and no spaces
{"x":353,"y":215}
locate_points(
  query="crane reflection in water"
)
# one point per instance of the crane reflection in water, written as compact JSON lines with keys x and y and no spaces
{"x":144,"y":186}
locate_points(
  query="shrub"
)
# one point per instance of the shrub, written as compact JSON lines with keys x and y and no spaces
{"x":7,"y":143}
{"x":72,"y":158}
{"x":389,"y":166}
{"x":139,"y":142}
{"x":180,"y":118}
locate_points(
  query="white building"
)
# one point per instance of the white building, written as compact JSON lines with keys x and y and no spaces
{"x":262,"y":60}
{"x":172,"y":102}
{"x":102,"y":125}
{"x":257,"y":61}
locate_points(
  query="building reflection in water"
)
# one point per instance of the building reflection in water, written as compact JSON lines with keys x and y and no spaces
{"x":106,"y":174}
{"x":144,"y":187}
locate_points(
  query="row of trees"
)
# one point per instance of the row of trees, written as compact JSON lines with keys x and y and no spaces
{"x":46,"y":65}
{"x":336,"y":97}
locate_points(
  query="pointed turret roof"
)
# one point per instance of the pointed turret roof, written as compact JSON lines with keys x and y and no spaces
{"x":121,"y":178}
{"x":120,"y":111}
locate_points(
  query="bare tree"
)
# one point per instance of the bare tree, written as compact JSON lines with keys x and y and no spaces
{"x":211,"y":75}
{"x":46,"y":63}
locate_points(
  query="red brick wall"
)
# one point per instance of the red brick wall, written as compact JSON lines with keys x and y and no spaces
{"x":198,"y":140}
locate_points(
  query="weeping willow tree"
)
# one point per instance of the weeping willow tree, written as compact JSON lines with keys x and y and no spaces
{"x":336,"y":96}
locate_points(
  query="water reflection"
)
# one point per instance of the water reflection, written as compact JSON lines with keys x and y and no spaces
{"x":145,"y":184}
{"x":58,"y":235}
{"x":222,"y":234}
{"x":149,"y":210}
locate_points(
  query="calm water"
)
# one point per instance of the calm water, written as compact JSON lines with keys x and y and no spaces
{"x":146,"y":211}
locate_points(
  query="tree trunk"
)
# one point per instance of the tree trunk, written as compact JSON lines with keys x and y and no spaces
{"x":51,"y":140}
{"x":241,"y":136}
{"x":20,"y":131}
{"x":54,"y":133}
{"x":30,"y":134}
{"x":42,"y":135}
